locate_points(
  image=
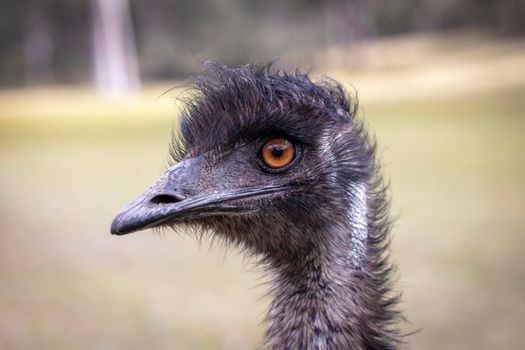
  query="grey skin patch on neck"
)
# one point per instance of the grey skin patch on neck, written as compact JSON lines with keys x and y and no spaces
{"x":357,"y":198}
{"x":358,"y":220}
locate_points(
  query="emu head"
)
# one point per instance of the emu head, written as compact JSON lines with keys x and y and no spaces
{"x":266,"y":159}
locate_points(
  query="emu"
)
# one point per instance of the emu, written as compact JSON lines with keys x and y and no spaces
{"x":282,"y":167}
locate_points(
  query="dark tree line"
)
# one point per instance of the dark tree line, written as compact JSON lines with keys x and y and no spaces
{"x":44,"y":41}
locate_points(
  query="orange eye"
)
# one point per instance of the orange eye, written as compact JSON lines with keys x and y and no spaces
{"x":278,"y":153}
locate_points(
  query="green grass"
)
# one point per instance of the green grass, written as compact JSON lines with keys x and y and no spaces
{"x":454,"y":154}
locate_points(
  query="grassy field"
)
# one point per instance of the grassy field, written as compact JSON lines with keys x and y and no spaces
{"x":450,"y":120}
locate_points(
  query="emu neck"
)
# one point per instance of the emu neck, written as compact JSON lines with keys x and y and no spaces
{"x":322,"y":300}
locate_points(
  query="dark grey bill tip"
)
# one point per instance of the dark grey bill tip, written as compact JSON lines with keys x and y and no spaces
{"x":119,"y":228}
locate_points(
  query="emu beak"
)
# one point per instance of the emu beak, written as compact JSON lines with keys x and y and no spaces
{"x":166,"y":201}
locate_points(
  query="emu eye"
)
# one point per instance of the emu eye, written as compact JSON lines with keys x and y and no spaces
{"x":277,"y":153}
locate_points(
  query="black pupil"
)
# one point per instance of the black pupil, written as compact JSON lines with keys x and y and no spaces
{"x":277,"y":150}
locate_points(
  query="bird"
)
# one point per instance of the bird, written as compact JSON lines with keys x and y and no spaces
{"x":283,"y":167}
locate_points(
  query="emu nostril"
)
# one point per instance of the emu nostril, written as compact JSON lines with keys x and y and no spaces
{"x":166,"y":199}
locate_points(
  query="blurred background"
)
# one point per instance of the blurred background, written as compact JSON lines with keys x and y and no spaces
{"x":84,"y":128}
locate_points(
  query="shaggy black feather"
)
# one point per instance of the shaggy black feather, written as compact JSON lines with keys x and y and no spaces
{"x":324,"y":244}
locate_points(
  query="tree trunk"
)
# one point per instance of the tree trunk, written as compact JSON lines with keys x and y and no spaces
{"x":116,"y":70}
{"x":38,"y":49}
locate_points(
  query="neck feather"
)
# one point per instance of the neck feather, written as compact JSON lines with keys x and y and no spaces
{"x":337,"y":295}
